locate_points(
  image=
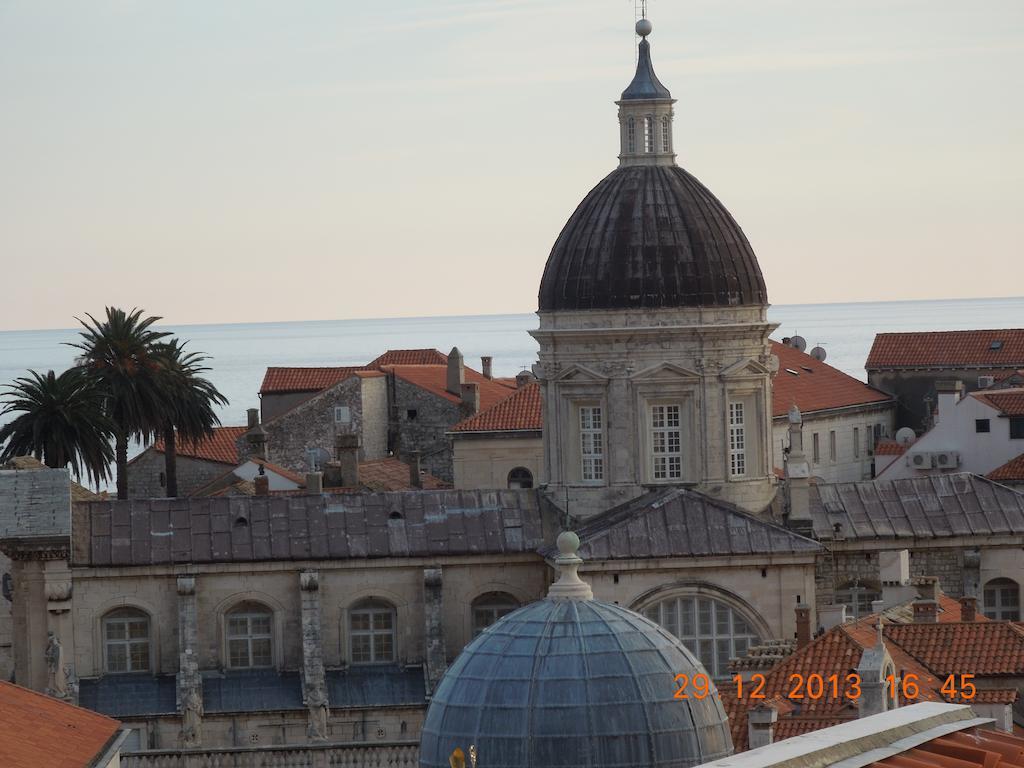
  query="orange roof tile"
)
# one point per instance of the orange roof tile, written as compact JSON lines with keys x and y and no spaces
{"x":977,"y":748}
{"x":38,"y":731}
{"x":391,"y":474}
{"x":434,"y":379}
{"x":1009,"y":402}
{"x":521,"y":410}
{"x":947,"y":349}
{"x":220,"y":447}
{"x":815,"y":386}
{"x":1010,"y":472}
{"x":890,"y":447}
{"x":982,"y":648}
{"x":410,"y":357}
{"x":279,"y":381}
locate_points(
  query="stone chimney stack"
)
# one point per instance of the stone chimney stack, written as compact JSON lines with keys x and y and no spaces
{"x":257,"y":439}
{"x":761,"y":725}
{"x":470,"y":399}
{"x":894,"y":573}
{"x":832,"y":616}
{"x":253,"y":415}
{"x":968,"y":608}
{"x":415,"y":471}
{"x":803,"y":625}
{"x":928,"y":588}
{"x":346,"y":452}
{"x":926,"y":611}
{"x":456,"y":372}
{"x":262,"y":483}
{"x":947,"y":395}
{"x":487,"y":366}
{"x":314,"y":482}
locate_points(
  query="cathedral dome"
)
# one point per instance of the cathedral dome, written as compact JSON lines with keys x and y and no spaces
{"x":570,"y":681}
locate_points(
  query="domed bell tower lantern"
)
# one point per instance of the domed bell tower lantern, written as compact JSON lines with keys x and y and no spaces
{"x":654,"y":357}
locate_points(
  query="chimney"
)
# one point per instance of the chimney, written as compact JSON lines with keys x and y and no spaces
{"x":262,"y":483}
{"x":258,"y":442}
{"x":470,"y":399}
{"x":346,"y":453}
{"x":926,"y":611}
{"x":833,"y":616}
{"x":456,"y":372}
{"x":928,"y":588}
{"x":877,"y":606}
{"x":894,"y":573}
{"x":968,"y":608}
{"x":947,"y":395}
{"x":803,"y":625}
{"x":523,"y":378}
{"x":314,"y":482}
{"x":415,"y":473}
{"x":761,"y":725}
{"x":487,"y":366}
{"x":254,"y":417}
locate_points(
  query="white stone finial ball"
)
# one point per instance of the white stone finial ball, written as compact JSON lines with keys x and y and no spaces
{"x":568,"y":543}
{"x":644,"y":27}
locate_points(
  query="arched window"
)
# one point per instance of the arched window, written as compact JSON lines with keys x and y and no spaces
{"x":666,"y":134}
{"x":648,"y":134}
{"x":520,"y":477}
{"x":372,"y":632}
{"x":126,"y":641}
{"x":713,"y":630}
{"x":1002,"y":600}
{"x":488,"y":608}
{"x":858,"y":595}
{"x":249,"y":629}
{"x":631,"y":135}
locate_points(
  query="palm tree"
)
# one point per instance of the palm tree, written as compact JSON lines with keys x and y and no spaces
{"x":62,"y":422}
{"x":119,"y":353}
{"x":190,"y":398}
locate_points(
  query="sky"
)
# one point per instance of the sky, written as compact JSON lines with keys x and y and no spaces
{"x":246,"y":160}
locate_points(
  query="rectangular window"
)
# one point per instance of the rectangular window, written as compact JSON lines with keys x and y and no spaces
{"x":631,"y":135}
{"x":856,"y":442}
{"x":591,"y":443}
{"x":982,"y":425}
{"x":342,"y":414}
{"x":1017,"y":427}
{"x":815,"y":448}
{"x":648,"y":134}
{"x":666,"y":135}
{"x":832,"y":446}
{"x":737,"y":440}
{"x":666,"y":442}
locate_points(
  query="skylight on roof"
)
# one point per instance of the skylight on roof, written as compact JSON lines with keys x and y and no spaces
{"x":790,"y":370}
{"x":997,"y":344}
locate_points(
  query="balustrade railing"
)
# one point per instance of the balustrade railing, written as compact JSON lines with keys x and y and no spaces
{"x":402,"y":754}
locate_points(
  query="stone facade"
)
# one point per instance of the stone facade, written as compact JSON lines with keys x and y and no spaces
{"x":421,"y":421}
{"x":625,"y":362}
{"x":484,"y":460}
{"x":146,"y":474}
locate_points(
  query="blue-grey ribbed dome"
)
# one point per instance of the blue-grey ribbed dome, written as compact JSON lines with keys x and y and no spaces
{"x":567,"y":683}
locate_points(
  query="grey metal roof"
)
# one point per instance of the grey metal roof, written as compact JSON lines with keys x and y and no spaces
{"x":255,"y":690}
{"x":934,"y":506}
{"x":651,"y":236}
{"x":129,"y":695}
{"x":376,"y":686}
{"x":645,"y":84}
{"x":677,"y":522}
{"x":573,"y":683}
{"x":35,"y":502}
{"x":335,"y":526}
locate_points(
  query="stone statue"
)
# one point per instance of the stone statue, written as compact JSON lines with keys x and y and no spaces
{"x":57,"y":677}
{"x":316,"y":703}
{"x":191,"y":717}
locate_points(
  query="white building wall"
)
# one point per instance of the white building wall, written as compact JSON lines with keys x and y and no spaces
{"x":851,"y":463}
{"x":486,"y":463}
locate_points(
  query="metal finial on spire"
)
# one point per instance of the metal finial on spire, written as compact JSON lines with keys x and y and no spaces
{"x":569,"y":585}
{"x":643,"y":26}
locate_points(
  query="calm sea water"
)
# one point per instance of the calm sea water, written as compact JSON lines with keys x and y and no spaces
{"x":240,"y":353}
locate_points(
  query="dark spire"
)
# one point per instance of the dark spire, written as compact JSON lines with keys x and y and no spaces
{"x":646,"y":84}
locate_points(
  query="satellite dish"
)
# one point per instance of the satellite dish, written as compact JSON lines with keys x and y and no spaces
{"x":819,"y":354}
{"x":905,"y":435}
{"x":798,"y":343}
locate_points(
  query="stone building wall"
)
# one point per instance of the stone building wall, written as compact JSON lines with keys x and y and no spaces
{"x":423,"y":419}
{"x":375,"y":416}
{"x":6,"y":621}
{"x":944,"y":563}
{"x":484,"y":462}
{"x":146,"y":474}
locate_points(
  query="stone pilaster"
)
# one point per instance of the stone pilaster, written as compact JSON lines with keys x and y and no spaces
{"x":434,"y":627}
{"x":190,"y":681}
{"x":60,"y":651}
{"x":314,"y":681}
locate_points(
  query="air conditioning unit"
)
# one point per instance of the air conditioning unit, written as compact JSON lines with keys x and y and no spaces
{"x":985,"y":381}
{"x":920,"y":460}
{"x":947,"y":459}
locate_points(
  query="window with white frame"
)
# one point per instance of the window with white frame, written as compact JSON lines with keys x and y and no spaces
{"x":126,"y":641}
{"x":631,"y":135}
{"x":648,"y":134}
{"x":488,"y":608}
{"x":342,"y":414}
{"x":737,"y":439}
{"x":666,"y":135}
{"x":249,"y":630}
{"x":666,"y":442}
{"x":372,"y":632}
{"x":1002,"y":600}
{"x":591,"y":443}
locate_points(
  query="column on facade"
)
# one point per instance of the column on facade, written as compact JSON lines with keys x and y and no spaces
{"x":434,"y":627}
{"x":190,"y":681}
{"x":314,"y":680}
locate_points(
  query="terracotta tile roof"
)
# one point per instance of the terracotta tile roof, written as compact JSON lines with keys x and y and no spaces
{"x":279,"y":381}
{"x":1009,"y":402}
{"x":519,"y":411}
{"x":434,"y":379}
{"x":410,"y":357}
{"x":1011,"y":472}
{"x":980,"y":748}
{"x":37,"y":731}
{"x":992,"y":696}
{"x":220,"y":447}
{"x":815,"y":386}
{"x":391,"y":474}
{"x":947,"y":349}
{"x":982,"y":648}
{"x":889,"y":447}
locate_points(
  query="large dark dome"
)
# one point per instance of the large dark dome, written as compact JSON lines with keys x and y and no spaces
{"x":651,"y":236}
